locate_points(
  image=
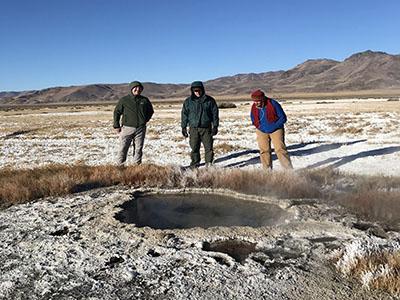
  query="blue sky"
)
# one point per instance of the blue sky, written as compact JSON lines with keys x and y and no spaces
{"x":46,"y":43}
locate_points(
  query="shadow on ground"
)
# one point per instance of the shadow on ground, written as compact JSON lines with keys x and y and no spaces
{"x":295,"y":150}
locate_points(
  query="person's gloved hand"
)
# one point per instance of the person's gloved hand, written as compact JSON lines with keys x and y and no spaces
{"x":184,"y":132}
{"x":214,"y":131}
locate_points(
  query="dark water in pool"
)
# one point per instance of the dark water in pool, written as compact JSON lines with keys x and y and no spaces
{"x":169,"y":211}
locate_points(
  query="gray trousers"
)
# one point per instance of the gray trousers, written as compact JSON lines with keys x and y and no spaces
{"x":126,"y":136}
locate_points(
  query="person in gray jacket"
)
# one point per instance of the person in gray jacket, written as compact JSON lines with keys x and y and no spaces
{"x":200,"y":113}
{"x":136,"y":111}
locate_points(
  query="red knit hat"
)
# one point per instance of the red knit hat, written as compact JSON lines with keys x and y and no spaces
{"x":258,"y":95}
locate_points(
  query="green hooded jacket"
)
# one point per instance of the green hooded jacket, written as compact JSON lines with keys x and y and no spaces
{"x":136,"y":111}
{"x":199,"y":111}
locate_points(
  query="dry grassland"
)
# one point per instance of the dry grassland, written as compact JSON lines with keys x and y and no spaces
{"x":373,"y":198}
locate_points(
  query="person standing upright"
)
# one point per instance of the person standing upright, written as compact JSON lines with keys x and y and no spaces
{"x":200,"y":113}
{"x":269,"y":118}
{"x":136,"y":110}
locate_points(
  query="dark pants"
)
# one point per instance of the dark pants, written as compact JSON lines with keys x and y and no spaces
{"x":198,"y":136}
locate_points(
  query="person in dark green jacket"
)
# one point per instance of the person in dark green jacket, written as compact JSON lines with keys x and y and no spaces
{"x":136,"y":111}
{"x":200,"y":113}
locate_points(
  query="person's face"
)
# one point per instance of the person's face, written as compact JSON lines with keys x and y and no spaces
{"x":137,"y":90}
{"x":258,"y":103}
{"x":197,"y":92}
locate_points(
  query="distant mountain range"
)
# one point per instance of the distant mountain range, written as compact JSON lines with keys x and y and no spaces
{"x":362,"y":71}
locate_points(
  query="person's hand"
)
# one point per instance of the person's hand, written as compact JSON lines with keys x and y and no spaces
{"x":117,"y":130}
{"x":184,"y":132}
{"x":214,"y":131}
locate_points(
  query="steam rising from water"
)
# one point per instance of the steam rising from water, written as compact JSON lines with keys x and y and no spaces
{"x":169,"y":211}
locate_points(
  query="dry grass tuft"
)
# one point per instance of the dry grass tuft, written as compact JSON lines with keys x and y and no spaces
{"x":322,"y":176}
{"x":382,"y":206}
{"x":280,"y":184}
{"x":222,"y":148}
{"x":376,"y":198}
{"x":382,"y":183}
{"x":388,"y":266}
{"x":151,"y":176}
{"x":24,"y":185}
{"x":374,"y":265}
{"x":20,"y":186}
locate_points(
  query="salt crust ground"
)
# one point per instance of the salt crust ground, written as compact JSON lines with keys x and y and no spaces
{"x":74,"y":248}
{"x":355,"y":136}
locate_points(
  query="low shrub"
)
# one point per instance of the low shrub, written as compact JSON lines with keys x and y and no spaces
{"x":224,"y":105}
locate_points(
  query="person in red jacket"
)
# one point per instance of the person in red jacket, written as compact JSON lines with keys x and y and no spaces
{"x":269,"y":118}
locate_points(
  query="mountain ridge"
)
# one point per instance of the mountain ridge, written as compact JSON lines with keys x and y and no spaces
{"x":367,"y":70}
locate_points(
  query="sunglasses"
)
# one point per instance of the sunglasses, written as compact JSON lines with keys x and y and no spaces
{"x":197,"y":90}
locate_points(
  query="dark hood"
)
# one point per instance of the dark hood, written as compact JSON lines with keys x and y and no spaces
{"x":197,"y":84}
